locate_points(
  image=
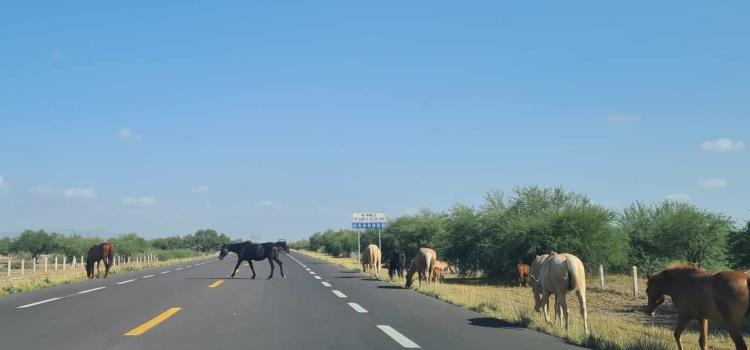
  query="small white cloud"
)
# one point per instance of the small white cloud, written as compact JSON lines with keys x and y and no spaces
{"x":622,"y":119}
{"x":679,"y":197}
{"x":200,"y":189}
{"x":713,"y":183}
{"x":723,"y":146}
{"x":79,"y":193}
{"x":267,"y":204}
{"x":142,"y":202}
{"x":125,"y":134}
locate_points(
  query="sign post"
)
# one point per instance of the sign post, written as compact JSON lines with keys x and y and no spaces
{"x":367,"y":221}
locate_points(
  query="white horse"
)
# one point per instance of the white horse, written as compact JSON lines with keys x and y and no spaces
{"x":559,"y":274}
{"x":371,"y":259}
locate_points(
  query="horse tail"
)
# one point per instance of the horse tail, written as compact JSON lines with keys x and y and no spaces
{"x":747,"y":312}
{"x":110,"y":256}
{"x":576,"y":279}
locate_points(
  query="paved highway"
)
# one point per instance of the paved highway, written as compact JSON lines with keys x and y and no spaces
{"x":318,"y":306}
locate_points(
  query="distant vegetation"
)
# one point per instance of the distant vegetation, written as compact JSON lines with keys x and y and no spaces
{"x":34,"y":243}
{"x":508,"y":228}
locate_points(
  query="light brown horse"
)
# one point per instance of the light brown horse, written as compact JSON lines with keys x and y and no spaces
{"x":438,"y":273}
{"x":371,"y":259}
{"x":423,"y":264}
{"x":522,"y":272}
{"x":701,"y":296}
{"x":557,"y":274}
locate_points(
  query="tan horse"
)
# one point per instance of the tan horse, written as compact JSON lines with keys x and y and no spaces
{"x":371,"y":259}
{"x":558,"y":274}
{"x":423,"y":264}
{"x":438,"y":273}
{"x":522,"y":273}
{"x":701,"y":296}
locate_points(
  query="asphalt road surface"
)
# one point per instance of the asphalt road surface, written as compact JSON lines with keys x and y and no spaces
{"x":318,"y":306}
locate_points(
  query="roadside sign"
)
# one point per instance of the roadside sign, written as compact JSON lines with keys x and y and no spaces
{"x":368,"y":220}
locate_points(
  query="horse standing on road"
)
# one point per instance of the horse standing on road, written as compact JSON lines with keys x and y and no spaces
{"x":371,"y":259}
{"x":701,"y":296}
{"x":248,"y":251}
{"x":558,"y":274}
{"x":97,"y":253}
{"x":397,"y":264}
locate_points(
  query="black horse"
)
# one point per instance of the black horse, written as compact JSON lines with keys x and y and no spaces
{"x":397,"y":264}
{"x":248,"y":251}
{"x":283,"y":247}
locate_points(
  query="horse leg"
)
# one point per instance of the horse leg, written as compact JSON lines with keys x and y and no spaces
{"x":560,"y":299}
{"x":545,"y":304}
{"x":682,"y":322}
{"x":281,"y":266}
{"x":704,"y":333}
{"x":239,"y":262}
{"x":271,"y":263}
{"x":106,"y":269}
{"x":97,"y":268}
{"x":584,"y":313}
{"x":252,"y":268}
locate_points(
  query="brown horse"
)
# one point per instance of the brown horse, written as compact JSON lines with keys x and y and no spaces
{"x":522,"y":272}
{"x":97,"y":253}
{"x":701,"y":296}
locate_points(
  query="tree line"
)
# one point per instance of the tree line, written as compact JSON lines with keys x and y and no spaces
{"x":33,"y":243}
{"x":508,"y":228}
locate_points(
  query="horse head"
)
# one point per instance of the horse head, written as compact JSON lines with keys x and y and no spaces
{"x":224,"y":252}
{"x":655,"y":292}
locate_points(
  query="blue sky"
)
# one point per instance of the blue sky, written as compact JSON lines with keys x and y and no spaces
{"x":271,"y":119}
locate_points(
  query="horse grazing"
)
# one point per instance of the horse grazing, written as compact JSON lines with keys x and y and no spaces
{"x":371,"y":259}
{"x":97,"y":253}
{"x":423,"y":264}
{"x":701,"y":296}
{"x":558,"y":274}
{"x":249,"y":251}
{"x":397,"y":264}
{"x":522,"y":272}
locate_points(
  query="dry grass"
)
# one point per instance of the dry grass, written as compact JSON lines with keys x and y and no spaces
{"x":616,"y":320}
{"x":19,"y":283}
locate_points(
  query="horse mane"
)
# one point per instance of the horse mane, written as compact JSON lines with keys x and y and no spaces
{"x":680,"y":267}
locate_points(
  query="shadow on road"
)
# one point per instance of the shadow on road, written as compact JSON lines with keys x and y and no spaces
{"x":491,"y":323}
{"x":346,"y":277}
{"x":391,"y":287}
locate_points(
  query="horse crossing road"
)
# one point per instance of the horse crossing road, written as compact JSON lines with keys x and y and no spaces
{"x":318,"y":306}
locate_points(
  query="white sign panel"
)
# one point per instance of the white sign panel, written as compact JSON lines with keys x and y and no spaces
{"x":368,"y":220}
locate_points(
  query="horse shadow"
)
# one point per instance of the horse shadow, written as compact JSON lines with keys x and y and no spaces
{"x":346,"y":277}
{"x":392,"y":287}
{"x":491,"y":322}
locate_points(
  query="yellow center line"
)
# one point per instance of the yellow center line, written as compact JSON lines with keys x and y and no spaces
{"x":215,"y":284}
{"x":153,"y":322}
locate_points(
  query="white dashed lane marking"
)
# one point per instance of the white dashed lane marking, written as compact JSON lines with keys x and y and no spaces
{"x":338,"y":293}
{"x":326,"y":284}
{"x":148,"y":276}
{"x":318,"y":277}
{"x":358,"y":308}
{"x":90,"y":290}
{"x":163,"y":272}
{"x":398,"y":337}
{"x":123,"y":282}
{"x":37,"y":303}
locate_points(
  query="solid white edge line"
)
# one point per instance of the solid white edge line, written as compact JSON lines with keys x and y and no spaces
{"x":358,"y":308}
{"x":338,"y":293}
{"x":37,"y":303}
{"x":325,"y":284}
{"x":398,"y":337}
{"x":148,"y":276}
{"x":90,"y":290}
{"x":123,"y":282}
{"x":318,"y":277}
